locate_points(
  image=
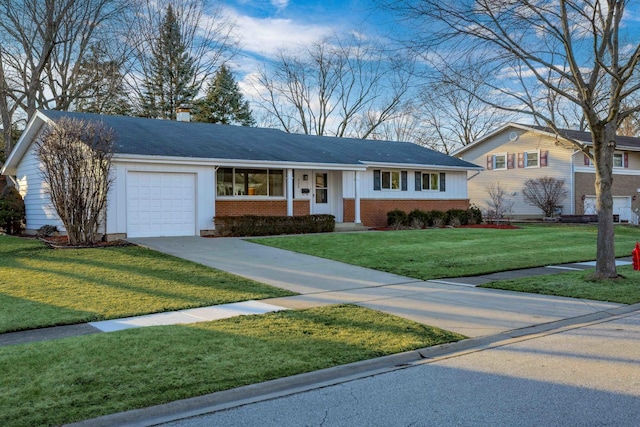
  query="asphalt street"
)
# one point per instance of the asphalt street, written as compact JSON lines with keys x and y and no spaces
{"x":582,"y":375}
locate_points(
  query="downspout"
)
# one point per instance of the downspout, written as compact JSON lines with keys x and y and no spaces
{"x":356,"y":199}
{"x":572,"y":186}
{"x":473,"y":176}
{"x":215,"y":194}
{"x":289,"y":192}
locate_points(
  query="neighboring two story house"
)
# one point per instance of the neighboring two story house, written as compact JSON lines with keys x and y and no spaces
{"x":172,"y":178}
{"x":515,"y":153}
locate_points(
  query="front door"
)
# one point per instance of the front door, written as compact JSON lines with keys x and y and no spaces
{"x":321,"y":190}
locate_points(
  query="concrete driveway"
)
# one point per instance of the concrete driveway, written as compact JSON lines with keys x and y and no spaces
{"x":468,"y":310}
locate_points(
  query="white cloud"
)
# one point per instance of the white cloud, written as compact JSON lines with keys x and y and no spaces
{"x":267,"y":36}
{"x":280,"y":4}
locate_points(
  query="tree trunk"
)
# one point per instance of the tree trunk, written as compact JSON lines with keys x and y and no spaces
{"x":604,"y":146}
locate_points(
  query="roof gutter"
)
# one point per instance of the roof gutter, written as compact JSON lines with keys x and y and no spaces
{"x":422,"y":166}
{"x":133,"y":158}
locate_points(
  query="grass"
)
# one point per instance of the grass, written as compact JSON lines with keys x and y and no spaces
{"x":55,"y":382}
{"x":624,"y":290}
{"x":43,"y":287}
{"x":440,"y":253}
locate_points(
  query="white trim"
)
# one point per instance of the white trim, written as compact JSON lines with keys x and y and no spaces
{"x":407,"y":166}
{"x":506,"y":161}
{"x":356,"y":199}
{"x":289,"y":191}
{"x":537,"y":152}
{"x":391,"y":172}
{"x":422,"y":174}
{"x":135,"y":158}
{"x":21,"y":147}
{"x":616,"y":171}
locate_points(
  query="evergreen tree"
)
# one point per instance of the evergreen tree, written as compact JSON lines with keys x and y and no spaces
{"x":101,"y":85}
{"x":223,"y":103}
{"x":170,"y":82}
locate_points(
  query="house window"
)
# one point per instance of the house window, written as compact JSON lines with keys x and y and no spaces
{"x":499,"y":161}
{"x":431,"y":181}
{"x":250,"y":182}
{"x":391,"y":180}
{"x":618,"y":161}
{"x":531,"y":159}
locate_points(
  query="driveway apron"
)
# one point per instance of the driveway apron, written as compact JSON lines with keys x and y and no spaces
{"x":471,"y":311}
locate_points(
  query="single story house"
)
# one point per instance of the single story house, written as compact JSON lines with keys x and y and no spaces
{"x":515,"y":153}
{"x":171,"y":178}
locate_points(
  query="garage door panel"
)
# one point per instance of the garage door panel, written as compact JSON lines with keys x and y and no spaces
{"x":621,"y":206}
{"x":160,"y":204}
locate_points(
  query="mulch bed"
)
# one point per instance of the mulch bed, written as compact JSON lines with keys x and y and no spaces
{"x":496,"y":226}
{"x":62,"y":242}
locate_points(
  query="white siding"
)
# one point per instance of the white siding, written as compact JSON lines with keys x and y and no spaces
{"x":38,"y":207}
{"x":512,"y":180}
{"x":117,"y":203}
{"x":455,"y":186}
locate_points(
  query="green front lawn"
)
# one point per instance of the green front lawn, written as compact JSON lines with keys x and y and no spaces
{"x":55,"y":382}
{"x":577,"y":284}
{"x":439,"y":253}
{"x":44,"y":287}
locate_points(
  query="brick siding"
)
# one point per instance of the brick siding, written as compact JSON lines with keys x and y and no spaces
{"x":260,"y":207}
{"x":623,"y":185}
{"x":373,"y":212}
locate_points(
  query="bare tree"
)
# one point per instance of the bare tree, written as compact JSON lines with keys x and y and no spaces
{"x":545,"y":193}
{"x":41,"y":46}
{"x":338,"y":87}
{"x":205,"y":31}
{"x":575,"y":49}
{"x":453,"y":108}
{"x":76,"y":161}
{"x":498,"y":206}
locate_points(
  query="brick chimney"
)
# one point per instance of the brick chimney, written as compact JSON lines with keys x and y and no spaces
{"x":183,"y":114}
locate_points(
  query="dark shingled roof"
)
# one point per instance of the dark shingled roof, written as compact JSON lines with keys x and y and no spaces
{"x":150,"y":137}
{"x":621,"y":141}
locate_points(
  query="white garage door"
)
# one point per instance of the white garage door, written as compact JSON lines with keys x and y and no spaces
{"x":160,"y":204}
{"x":621,"y":206}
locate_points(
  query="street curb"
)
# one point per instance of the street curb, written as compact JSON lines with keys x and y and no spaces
{"x":281,"y":387}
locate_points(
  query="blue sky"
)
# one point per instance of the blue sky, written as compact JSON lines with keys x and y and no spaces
{"x":267,"y":26}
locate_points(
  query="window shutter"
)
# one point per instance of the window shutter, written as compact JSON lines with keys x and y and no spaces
{"x":376,"y":179}
{"x":403,"y":180}
{"x":544,"y":155}
{"x":489,"y":163}
{"x":418,"y":176}
{"x":626,"y":160}
{"x":520,"y":160}
{"x":443,"y":184}
{"x":511,"y":160}
{"x":586,"y":160}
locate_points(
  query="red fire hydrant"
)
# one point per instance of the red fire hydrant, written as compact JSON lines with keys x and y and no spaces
{"x":636,"y":257}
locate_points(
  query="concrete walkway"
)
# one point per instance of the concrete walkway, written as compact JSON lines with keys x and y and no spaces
{"x":452,"y":304}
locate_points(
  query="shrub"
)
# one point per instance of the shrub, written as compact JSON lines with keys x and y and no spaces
{"x":255,"y":225}
{"x":456,"y":217}
{"x":46,"y":230}
{"x":397,"y":218}
{"x":475,"y":215}
{"x":11,"y":210}
{"x":419,"y":217}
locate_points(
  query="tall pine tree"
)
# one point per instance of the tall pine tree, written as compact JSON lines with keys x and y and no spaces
{"x":170,"y":82}
{"x":101,"y":85}
{"x":223,"y":103}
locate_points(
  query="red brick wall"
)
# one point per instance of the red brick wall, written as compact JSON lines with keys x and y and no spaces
{"x":301,"y":207}
{"x":623,"y":185}
{"x":260,"y":207}
{"x":373,"y":212}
